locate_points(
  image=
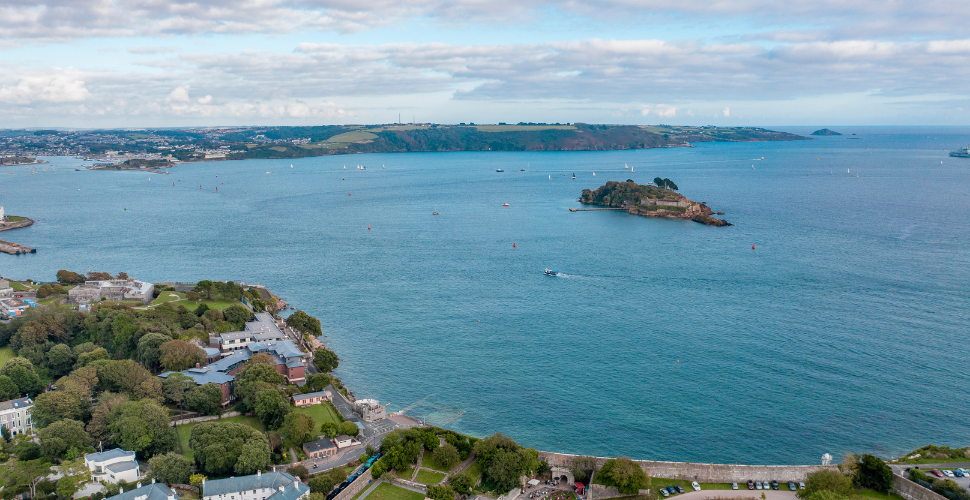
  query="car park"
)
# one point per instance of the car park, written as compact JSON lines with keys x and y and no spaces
{"x":663,"y":491}
{"x":734,"y":486}
{"x":801,"y":485}
{"x":757,"y":485}
{"x":678,"y":488}
{"x":750,"y":484}
{"x":696,"y":486}
{"x":791,"y":486}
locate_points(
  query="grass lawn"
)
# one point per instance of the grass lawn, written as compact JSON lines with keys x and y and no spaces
{"x":51,"y":300}
{"x":475,"y":470}
{"x":429,"y":478}
{"x":388,"y":491}
{"x":15,"y":218}
{"x":5,"y":354}
{"x":429,"y":462}
{"x":357,"y":135}
{"x":866,"y":494}
{"x":185,"y":431}
{"x":213,"y":304}
{"x":18,"y":287}
{"x":164,"y":297}
{"x":659,"y":482}
{"x":405,"y":474}
{"x":324,"y":412}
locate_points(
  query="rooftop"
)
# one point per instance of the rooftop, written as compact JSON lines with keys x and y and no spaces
{"x":154,"y":491}
{"x":122,"y":466}
{"x":15,"y":404}
{"x":310,"y":395}
{"x":109,"y":455}
{"x":256,"y":481}
{"x":321,"y":444}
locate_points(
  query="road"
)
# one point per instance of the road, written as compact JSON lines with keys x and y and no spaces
{"x":900,"y":469}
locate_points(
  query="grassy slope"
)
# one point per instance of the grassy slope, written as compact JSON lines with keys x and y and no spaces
{"x":185,"y":431}
{"x":5,"y":354}
{"x":429,"y":462}
{"x":213,"y":304}
{"x":321,"y":413}
{"x":430,"y":478}
{"x":387,"y":491}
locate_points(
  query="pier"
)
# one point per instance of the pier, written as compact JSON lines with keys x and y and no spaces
{"x":14,"y":248}
{"x":591,"y":209}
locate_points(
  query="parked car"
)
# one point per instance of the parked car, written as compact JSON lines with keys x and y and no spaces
{"x":750,"y":484}
{"x":696,"y":486}
{"x":757,"y":485}
{"x":766,"y":485}
{"x":734,"y":486}
{"x":801,"y":485}
{"x":671,"y":490}
{"x":958,"y":473}
{"x":774,"y":485}
{"x":663,"y":491}
{"x":936,"y":472}
{"x":678,"y":488}
{"x":791,"y":486}
{"x":948,"y":472}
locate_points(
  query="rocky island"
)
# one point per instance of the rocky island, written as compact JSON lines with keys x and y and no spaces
{"x":657,"y":199}
{"x":825,"y":131}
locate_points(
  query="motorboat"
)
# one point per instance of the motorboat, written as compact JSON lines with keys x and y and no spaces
{"x":550,"y":272}
{"x":963,"y":152}
{"x":505,"y":204}
{"x":499,"y":170}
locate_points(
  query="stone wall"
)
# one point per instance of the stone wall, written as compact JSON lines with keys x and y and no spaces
{"x":206,"y":418}
{"x":600,"y":492}
{"x":355,"y":487}
{"x":414,"y":485}
{"x":912,"y":491}
{"x":706,"y":473}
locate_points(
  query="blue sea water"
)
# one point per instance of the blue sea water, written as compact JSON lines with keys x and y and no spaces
{"x":845,"y":329}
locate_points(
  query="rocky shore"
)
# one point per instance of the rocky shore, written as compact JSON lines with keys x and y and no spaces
{"x":651,"y":201}
{"x":14,"y":248}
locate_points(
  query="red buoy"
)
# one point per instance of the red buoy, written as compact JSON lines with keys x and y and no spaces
{"x":513,"y":245}
{"x":752,"y":247}
{"x":368,"y":228}
{"x":348,"y":194}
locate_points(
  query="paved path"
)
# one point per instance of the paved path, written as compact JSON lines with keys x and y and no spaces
{"x":370,"y":489}
{"x":740,"y":493}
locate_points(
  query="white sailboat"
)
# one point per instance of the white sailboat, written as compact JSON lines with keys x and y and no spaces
{"x":594,"y":174}
{"x":626,"y":166}
{"x":291,"y":165}
{"x":382,"y":165}
{"x":550,"y":177}
{"x":345,"y":167}
{"x":633,"y":170}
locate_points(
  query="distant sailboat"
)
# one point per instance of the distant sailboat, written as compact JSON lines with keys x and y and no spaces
{"x":633,"y":170}
{"x":847,"y":171}
{"x":594,"y":174}
{"x":291,"y":165}
{"x":574,"y":176}
{"x":345,"y":167}
{"x":382,"y":165}
{"x":626,"y":166}
{"x":550,"y":177}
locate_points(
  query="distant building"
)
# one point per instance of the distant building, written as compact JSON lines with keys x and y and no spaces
{"x":2,"y":216}
{"x":344,"y":441}
{"x":14,"y":307}
{"x":129,"y":289}
{"x":202,"y":375}
{"x":320,"y":448}
{"x":369,"y":410}
{"x":312,"y":398}
{"x":113,"y":466}
{"x":153,"y":491}
{"x":269,"y":486}
{"x":15,"y":416}
{"x":261,"y":329}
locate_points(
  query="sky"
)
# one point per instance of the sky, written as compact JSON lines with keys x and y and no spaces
{"x":169,"y":63}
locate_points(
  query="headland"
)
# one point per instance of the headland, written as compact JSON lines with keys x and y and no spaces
{"x":14,"y":222}
{"x":655,"y":199}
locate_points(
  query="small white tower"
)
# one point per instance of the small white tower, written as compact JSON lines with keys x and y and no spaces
{"x":826,"y":459}
{"x":2,"y":218}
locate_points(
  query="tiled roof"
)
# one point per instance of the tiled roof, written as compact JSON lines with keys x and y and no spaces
{"x":154,"y":491}
{"x":15,"y":404}
{"x":322,"y":444}
{"x":109,"y":455}
{"x":253,"y":482}
{"x":312,"y":395}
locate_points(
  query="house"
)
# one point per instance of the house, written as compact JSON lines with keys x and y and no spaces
{"x":369,"y":410}
{"x":113,"y":466}
{"x":153,"y":491}
{"x":15,"y":416}
{"x":312,"y":398}
{"x":320,"y":448}
{"x":269,"y":486}
{"x":202,"y":375}
{"x":262,"y":328}
{"x":344,"y":441}
{"x":128,"y":289}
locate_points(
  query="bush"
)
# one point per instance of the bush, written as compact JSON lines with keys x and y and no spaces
{"x":626,"y":475}
{"x":874,"y":474}
{"x":826,"y":480}
{"x":446,"y":456}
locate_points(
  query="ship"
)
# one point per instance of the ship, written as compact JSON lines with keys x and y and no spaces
{"x":963,"y":152}
{"x":550,"y":272}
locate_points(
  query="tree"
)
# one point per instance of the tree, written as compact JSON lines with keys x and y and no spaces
{"x":826,"y":480}
{"x":201,"y":310}
{"x":221,"y":448}
{"x":141,"y":426}
{"x":329,"y":429}
{"x":128,"y":376}
{"x":349,"y":428}
{"x":850,"y":464}
{"x":626,"y":475}
{"x":86,"y":358}
{"x":21,"y":372}
{"x":60,"y":359}
{"x":503,"y":461}
{"x":204,"y":286}
{"x":58,"y":405}
{"x":60,"y":436}
{"x":69,"y":278}
{"x":658,"y":181}
{"x":205,"y":399}
{"x":441,"y":492}
{"x":446,"y":455}
{"x":178,"y":355}
{"x":874,"y":474}
{"x":193,"y":296}
{"x":300,"y":472}
{"x":304,"y":323}
{"x":171,"y":468}
{"x":255,"y":376}
{"x":325,"y":359}
{"x":23,"y":476}
{"x":175,"y":386}
{"x":148,"y":349}
{"x":317,"y":382}
{"x":271,"y":408}
{"x":237,"y":314}
{"x":298,"y":428}
{"x":582,"y":468}
{"x":75,"y":475}
{"x":462,"y":483}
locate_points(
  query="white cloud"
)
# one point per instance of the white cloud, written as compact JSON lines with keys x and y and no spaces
{"x":666,"y":110}
{"x":726,"y":111}
{"x":205,"y":100}
{"x":55,"y":85}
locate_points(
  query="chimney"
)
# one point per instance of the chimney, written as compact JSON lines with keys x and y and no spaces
{"x":138,"y":485}
{"x":121,"y":490}
{"x":281,"y":488}
{"x":153,"y":480}
{"x":171,"y":496}
{"x":203,"y":480}
{"x":259,"y":473}
{"x":197,"y":365}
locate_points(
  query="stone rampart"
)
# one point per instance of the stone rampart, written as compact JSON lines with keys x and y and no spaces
{"x":414,"y":485}
{"x":355,"y":487}
{"x":706,"y":473}
{"x":912,"y":491}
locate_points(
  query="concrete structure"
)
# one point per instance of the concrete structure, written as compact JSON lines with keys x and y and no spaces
{"x":153,"y":491}
{"x":113,"y":466}
{"x":129,"y":289}
{"x":320,"y":448}
{"x":563,"y":474}
{"x":2,"y":216}
{"x":312,"y":398}
{"x":664,"y":203}
{"x":14,"y":307}
{"x":344,"y":441}
{"x":369,"y":410}
{"x":15,"y":416}
{"x":269,"y":486}
{"x":263,"y":328}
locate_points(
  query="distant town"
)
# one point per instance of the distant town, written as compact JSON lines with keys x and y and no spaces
{"x":119,"y":388}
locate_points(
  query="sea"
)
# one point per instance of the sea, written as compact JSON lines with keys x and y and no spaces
{"x":831,"y":317}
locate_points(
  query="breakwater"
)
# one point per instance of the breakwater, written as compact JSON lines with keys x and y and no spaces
{"x":15,"y":248}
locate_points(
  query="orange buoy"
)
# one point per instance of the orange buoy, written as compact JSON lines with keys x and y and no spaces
{"x":513,"y":245}
{"x":368,"y":228}
{"x":752,"y":247}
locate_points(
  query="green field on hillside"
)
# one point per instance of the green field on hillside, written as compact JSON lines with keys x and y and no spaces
{"x":324,"y":412}
{"x":387,"y":491}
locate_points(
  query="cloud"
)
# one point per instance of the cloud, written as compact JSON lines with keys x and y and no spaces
{"x":150,"y":50}
{"x":56,"y":86}
{"x":726,"y":112}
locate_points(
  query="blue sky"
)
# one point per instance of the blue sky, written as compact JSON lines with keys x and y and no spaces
{"x":141,"y":63}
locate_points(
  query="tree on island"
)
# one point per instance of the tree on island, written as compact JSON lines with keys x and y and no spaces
{"x":665,"y":183}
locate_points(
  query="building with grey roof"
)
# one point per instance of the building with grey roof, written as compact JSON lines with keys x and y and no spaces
{"x":153,"y":491}
{"x":268,"y":486}
{"x":320,"y":448}
{"x":129,"y":289}
{"x":15,"y":416}
{"x":262,"y":328}
{"x":113,"y":466}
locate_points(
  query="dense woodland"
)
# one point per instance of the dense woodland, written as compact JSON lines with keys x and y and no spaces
{"x":613,"y":193}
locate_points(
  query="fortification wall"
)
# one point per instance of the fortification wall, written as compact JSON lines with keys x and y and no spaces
{"x":912,"y":491}
{"x":354,"y":488}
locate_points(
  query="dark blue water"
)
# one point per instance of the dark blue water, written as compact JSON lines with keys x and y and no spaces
{"x":846,"y":329}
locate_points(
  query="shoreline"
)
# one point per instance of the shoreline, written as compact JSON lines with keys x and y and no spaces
{"x":15,"y":248}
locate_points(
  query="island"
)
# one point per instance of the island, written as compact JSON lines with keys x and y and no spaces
{"x":825,"y":131}
{"x":657,"y":199}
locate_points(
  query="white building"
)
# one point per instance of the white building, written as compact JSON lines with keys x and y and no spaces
{"x":153,"y":491}
{"x":129,"y":289}
{"x":15,"y":416}
{"x":269,"y":486}
{"x":112,"y":466}
{"x":369,"y":410}
{"x":1,"y":214}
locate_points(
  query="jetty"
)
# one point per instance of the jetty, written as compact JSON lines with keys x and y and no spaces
{"x":598,"y":208}
{"x":15,"y":248}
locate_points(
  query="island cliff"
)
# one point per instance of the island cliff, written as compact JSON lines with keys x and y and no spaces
{"x":651,"y":201}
